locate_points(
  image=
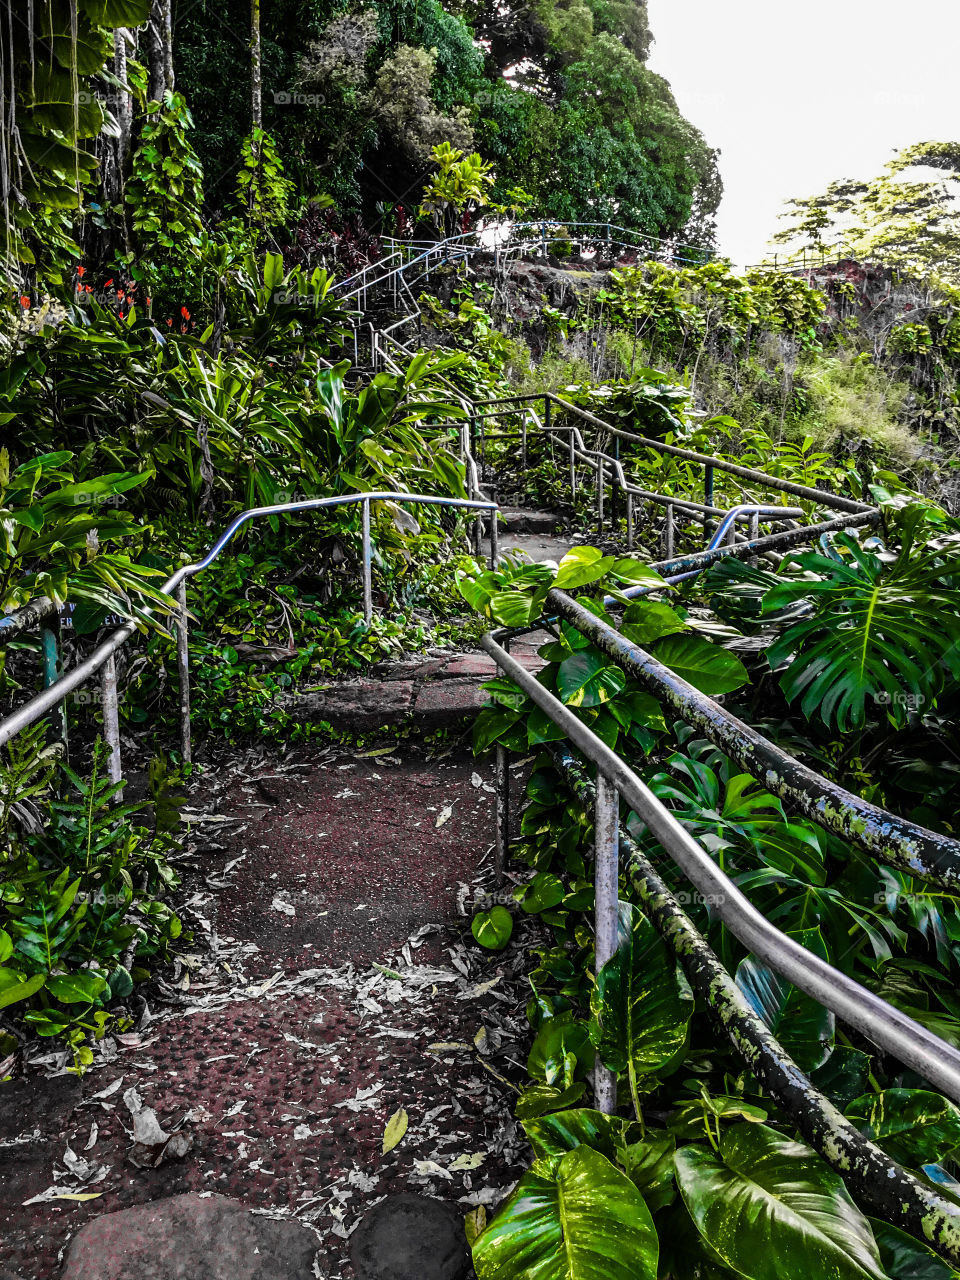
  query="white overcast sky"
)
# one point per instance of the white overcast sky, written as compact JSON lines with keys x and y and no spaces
{"x":797,"y":95}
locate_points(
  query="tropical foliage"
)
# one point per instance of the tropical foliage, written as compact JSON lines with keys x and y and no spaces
{"x":708,"y":1158}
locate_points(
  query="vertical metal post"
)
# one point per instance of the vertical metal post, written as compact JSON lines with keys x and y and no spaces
{"x":183,"y":674}
{"x":600,"y":495}
{"x":668,"y":532}
{"x":606,"y":828}
{"x":502,"y":851}
{"x":754,"y":532}
{"x":708,"y":499}
{"x":373,"y":348}
{"x":111,"y":718}
{"x":367,"y":564}
{"x":629,"y":497}
{"x":356,"y":345}
{"x":51,"y":673}
{"x":494,"y":539}
{"x":523,"y":443}
{"x":732,"y":534}
{"x":573,"y":468}
{"x":503,"y":812}
{"x":614,"y":516}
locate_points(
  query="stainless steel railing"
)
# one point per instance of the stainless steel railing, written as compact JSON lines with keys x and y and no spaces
{"x":103,"y":660}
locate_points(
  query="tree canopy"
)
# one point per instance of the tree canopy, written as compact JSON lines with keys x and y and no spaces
{"x":908,"y":216}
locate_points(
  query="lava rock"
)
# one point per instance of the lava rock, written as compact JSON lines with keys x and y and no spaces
{"x":191,"y":1237}
{"x":409,"y":1237}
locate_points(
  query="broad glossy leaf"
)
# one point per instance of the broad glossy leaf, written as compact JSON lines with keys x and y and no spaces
{"x":77,"y":988}
{"x":904,"y":1258}
{"x":566,"y":1130}
{"x":14,"y":988}
{"x":771,"y":1208}
{"x":561,"y":1051}
{"x":493,"y":929}
{"x":641,"y":1003}
{"x":914,"y":1126}
{"x":706,"y":666}
{"x":117,"y":13}
{"x":843,"y":1076}
{"x":6,"y":946}
{"x":804,"y":1027}
{"x":588,"y":679}
{"x":541,"y":893}
{"x":540,"y":1099}
{"x":650,"y":620}
{"x":573,"y":1218}
{"x":582,"y":565}
{"x":649,"y":1165}
{"x":634,"y":572}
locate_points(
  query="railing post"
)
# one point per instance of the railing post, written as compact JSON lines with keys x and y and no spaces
{"x":614,"y":515}
{"x":494,"y":539}
{"x":51,"y":673}
{"x":367,"y":564}
{"x":707,"y":499}
{"x":668,"y":532}
{"x":523,"y":444}
{"x":503,"y":813}
{"x":183,"y":674}
{"x":573,"y":468}
{"x":629,"y":498}
{"x":599,"y":494}
{"x":606,"y":829}
{"x":111,"y":718}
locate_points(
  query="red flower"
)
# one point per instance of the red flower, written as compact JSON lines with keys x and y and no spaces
{"x":108,"y":283}
{"x":169,"y":320}
{"x":89,"y":288}
{"x":121,"y":294}
{"x":185,"y":313}
{"x":149,"y":302}
{"x":25,"y":302}
{"x":81,"y":272}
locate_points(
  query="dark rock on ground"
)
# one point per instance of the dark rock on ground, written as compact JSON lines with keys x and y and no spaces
{"x":409,"y":1237}
{"x":191,"y":1237}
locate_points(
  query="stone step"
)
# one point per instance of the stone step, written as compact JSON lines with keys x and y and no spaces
{"x":523,"y":520}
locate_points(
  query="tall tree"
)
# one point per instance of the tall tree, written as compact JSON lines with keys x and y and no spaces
{"x":160,"y":49}
{"x":256,"y":67}
{"x":908,"y":216}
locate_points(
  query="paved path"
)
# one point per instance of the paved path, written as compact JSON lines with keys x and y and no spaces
{"x":331,"y":981}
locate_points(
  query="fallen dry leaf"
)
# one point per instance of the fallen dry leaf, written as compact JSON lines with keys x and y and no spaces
{"x":396,"y":1128}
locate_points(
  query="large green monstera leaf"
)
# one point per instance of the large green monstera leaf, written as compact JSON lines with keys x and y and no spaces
{"x":574,"y":1217}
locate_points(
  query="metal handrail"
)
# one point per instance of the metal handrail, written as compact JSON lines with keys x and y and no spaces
{"x":883,"y":1024}
{"x":103,"y":656}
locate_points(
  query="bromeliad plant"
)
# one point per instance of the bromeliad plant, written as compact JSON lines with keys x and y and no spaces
{"x":700,"y":1172}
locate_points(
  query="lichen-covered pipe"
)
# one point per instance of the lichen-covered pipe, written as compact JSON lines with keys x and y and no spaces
{"x":880,"y":1185}
{"x":892,"y":840}
{"x":25,"y":619}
